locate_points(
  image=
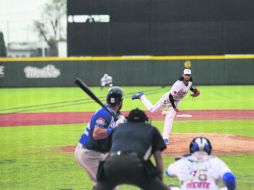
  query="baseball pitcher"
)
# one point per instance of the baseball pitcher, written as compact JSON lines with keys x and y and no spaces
{"x":170,"y":100}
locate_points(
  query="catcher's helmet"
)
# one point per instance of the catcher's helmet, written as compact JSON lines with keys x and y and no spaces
{"x":200,"y":144}
{"x":115,"y":96}
{"x":137,"y":115}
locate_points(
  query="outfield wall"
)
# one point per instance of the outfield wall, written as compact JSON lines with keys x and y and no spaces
{"x":126,"y":71}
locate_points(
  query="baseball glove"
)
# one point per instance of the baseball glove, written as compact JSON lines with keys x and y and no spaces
{"x":195,"y":93}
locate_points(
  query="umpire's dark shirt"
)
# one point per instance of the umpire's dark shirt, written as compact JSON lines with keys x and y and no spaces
{"x":136,"y":137}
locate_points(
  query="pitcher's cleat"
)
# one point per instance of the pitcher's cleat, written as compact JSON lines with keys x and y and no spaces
{"x":137,"y":95}
{"x":166,"y":141}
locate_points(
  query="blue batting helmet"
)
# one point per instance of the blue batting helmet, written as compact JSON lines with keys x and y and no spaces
{"x":200,"y":144}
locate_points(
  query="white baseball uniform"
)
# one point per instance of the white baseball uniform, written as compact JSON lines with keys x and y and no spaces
{"x":106,"y":80}
{"x":178,"y":91}
{"x":198,"y":171}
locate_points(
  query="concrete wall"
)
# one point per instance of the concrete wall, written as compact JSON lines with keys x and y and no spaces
{"x":160,"y":27}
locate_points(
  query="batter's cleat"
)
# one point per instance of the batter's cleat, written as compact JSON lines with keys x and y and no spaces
{"x":166,"y":141}
{"x":137,"y":95}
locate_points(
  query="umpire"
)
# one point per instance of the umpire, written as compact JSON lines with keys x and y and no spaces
{"x":131,"y":146}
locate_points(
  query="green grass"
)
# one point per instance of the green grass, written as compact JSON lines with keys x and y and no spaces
{"x":29,"y":159}
{"x":73,"y":99}
{"x":236,"y":127}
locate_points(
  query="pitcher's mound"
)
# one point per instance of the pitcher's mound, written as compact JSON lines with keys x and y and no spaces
{"x":221,"y":143}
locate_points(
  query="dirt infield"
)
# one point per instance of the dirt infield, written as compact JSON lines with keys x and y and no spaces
{"x":222,"y":144}
{"x":27,"y":119}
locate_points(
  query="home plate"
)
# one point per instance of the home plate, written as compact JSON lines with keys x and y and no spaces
{"x":184,"y":115}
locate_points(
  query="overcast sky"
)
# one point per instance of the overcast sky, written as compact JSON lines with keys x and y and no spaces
{"x":16,"y":18}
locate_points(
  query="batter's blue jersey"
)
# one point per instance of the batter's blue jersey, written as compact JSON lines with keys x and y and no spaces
{"x":102,"y":119}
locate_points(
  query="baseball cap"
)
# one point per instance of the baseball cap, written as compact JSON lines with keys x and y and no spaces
{"x":187,"y":71}
{"x":137,"y":115}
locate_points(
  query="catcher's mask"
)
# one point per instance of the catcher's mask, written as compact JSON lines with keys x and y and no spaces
{"x":201,"y":144}
{"x":137,"y":115}
{"x":115,"y":96}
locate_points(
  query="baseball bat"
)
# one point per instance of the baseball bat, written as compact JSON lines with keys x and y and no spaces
{"x":86,"y":89}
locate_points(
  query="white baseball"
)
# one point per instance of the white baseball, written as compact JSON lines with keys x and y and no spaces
{"x":164,"y":112}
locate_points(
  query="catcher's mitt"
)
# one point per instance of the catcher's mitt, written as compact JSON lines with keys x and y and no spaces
{"x":195,"y":93}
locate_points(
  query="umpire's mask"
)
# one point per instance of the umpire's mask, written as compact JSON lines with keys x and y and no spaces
{"x":137,"y":115}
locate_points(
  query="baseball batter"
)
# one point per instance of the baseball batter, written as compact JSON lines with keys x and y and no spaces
{"x":92,"y":144}
{"x":201,"y":171}
{"x":170,"y":100}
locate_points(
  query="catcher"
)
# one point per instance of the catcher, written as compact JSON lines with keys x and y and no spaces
{"x":200,"y":170}
{"x":170,"y":100}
